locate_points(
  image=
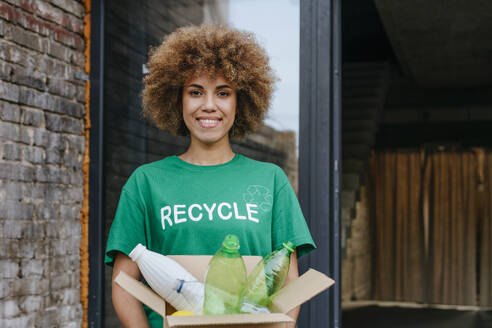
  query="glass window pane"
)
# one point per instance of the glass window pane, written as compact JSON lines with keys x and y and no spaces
{"x":131,"y":28}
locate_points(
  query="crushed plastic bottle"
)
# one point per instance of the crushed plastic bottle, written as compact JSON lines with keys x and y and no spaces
{"x":225,"y":279}
{"x":169,"y":279}
{"x":266,"y":279}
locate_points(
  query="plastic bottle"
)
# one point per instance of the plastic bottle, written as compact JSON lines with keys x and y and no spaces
{"x":225,"y":279}
{"x":169,"y":279}
{"x":266,"y":279}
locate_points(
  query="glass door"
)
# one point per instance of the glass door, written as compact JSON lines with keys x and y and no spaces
{"x":131,"y":28}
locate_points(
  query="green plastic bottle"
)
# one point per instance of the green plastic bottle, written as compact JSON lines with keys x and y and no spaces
{"x":266,"y":279}
{"x":225,"y":279}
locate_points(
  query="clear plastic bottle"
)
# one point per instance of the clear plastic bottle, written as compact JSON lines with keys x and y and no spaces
{"x":266,"y":279}
{"x":225,"y":279}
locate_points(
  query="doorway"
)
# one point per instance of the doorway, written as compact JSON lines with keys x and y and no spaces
{"x":416,"y":124}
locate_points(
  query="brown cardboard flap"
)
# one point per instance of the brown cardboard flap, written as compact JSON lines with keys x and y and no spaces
{"x":197,"y":264}
{"x":141,"y":292}
{"x":227,"y":320}
{"x":300,"y":290}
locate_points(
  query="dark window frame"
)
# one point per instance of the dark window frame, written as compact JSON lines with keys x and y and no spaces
{"x":320,"y":151}
{"x":96,"y":173}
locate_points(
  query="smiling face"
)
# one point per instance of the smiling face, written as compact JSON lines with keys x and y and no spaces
{"x":209,"y":107}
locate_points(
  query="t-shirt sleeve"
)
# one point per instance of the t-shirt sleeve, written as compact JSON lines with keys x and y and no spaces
{"x":128,"y":227}
{"x":288,"y":220}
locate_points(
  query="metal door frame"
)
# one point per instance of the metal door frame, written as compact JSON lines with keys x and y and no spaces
{"x":96,"y":173}
{"x":320,"y":151}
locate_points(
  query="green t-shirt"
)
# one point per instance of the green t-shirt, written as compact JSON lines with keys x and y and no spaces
{"x":176,"y":208}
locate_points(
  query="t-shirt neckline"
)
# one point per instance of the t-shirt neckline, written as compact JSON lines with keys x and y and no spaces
{"x":195,"y":167}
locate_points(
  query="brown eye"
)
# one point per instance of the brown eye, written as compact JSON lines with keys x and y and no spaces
{"x":195,"y":93}
{"x":224,"y":94}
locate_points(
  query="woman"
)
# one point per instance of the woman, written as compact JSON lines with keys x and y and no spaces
{"x":211,"y":83}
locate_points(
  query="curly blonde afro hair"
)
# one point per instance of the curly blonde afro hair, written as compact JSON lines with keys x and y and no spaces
{"x":212,"y":50}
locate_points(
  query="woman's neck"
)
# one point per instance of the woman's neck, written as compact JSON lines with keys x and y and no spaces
{"x":208,"y":155}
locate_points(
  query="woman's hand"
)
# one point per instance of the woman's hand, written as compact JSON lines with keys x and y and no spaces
{"x":291,"y":276}
{"x":129,"y":309}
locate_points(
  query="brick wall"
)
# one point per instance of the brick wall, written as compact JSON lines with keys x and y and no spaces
{"x":41,"y":148}
{"x":364,"y":94}
{"x":270,"y":145}
{"x":357,"y":265}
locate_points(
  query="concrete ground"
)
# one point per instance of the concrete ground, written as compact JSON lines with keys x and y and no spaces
{"x":373,"y":316}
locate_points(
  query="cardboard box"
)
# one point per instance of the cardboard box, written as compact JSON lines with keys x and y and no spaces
{"x":290,"y":296}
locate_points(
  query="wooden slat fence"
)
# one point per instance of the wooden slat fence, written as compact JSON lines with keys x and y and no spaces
{"x":399,"y":249}
{"x":432,"y":218}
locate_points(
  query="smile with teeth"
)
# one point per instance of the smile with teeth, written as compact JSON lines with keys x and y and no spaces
{"x":208,"y":123}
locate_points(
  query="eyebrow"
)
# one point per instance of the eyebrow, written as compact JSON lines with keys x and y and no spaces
{"x":224,"y":86}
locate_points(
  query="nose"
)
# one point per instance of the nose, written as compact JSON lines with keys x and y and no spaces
{"x":210,"y":105}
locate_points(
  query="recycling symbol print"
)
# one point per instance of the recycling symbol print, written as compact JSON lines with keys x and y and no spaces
{"x":259,"y":195}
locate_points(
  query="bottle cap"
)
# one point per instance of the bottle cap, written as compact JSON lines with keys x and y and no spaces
{"x":231,"y":243}
{"x":137,"y":252}
{"x":289,"y":246}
